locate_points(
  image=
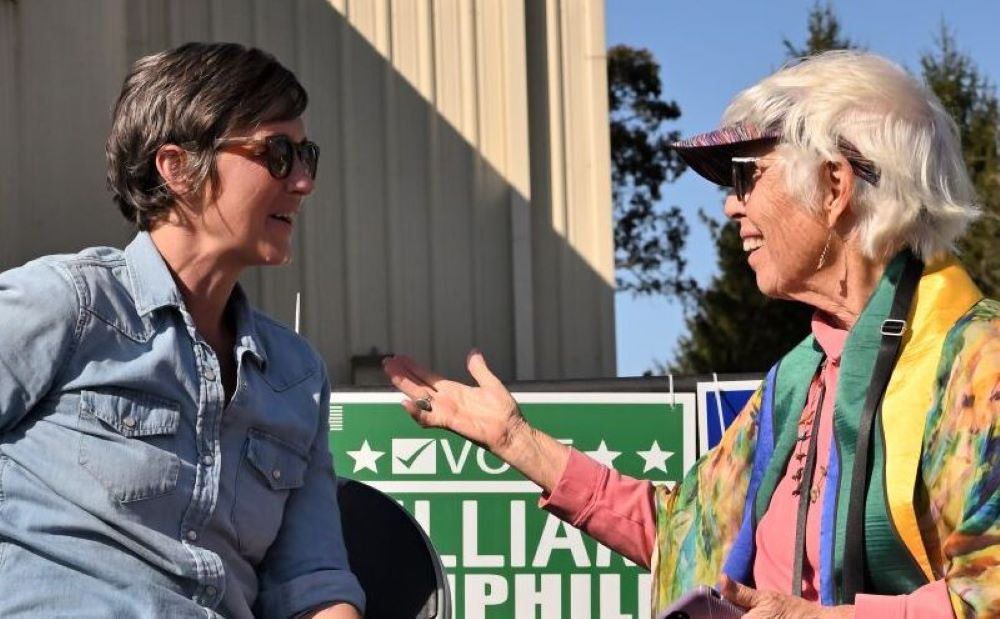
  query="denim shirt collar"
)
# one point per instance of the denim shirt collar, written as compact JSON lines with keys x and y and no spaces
{"x":247,"y":338}
{"x":153,"y":287}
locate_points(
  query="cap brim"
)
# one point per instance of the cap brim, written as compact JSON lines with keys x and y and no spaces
{"x":710,"y":154}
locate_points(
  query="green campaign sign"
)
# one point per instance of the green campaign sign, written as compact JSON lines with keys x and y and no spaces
{"x":505,"y":557}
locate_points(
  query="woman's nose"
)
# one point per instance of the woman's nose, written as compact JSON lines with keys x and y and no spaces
{"x":733,"y":207}
{"x":301,"y":180}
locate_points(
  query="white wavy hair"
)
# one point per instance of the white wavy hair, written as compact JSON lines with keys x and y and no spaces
{"x":924,"y":199}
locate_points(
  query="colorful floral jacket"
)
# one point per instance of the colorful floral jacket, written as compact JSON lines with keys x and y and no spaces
{"x":933,"y":504}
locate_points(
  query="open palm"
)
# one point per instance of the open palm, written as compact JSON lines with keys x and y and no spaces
{"x":485,"y":414}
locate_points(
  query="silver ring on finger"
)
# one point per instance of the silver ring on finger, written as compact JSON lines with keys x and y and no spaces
{"x":424,"y":403}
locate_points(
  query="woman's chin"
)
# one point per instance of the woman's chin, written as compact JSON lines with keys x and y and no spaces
{"x":274,"y":254}
{"x":774,"y":287}
{"x":766,"y":282}
{"x":277,"y":259}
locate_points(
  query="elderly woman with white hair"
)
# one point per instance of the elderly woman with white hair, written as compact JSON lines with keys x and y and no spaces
{"x":862,"y":478}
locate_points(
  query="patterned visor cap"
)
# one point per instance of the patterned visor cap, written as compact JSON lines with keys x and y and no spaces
{"x":710,"y":154}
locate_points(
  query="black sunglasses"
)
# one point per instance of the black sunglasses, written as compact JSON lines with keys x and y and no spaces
{"x":745,"y":168}
{"x":279,"y":152}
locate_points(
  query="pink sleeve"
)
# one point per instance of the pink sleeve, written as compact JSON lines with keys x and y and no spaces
{"x":928,"y":602}
{"x":614,"y":509}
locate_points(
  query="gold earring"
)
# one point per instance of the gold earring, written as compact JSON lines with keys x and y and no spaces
{"x":826,"y":248}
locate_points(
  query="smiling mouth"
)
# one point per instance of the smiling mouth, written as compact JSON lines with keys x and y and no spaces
{"x":753,"y":243}
{"x":283,"y":217}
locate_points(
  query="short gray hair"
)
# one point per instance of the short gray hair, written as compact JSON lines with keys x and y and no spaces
{"x":924,"y":199}
{"x":190,"y":96}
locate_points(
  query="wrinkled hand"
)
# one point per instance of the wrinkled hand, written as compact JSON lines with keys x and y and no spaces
{"x":770,"y":605}
{"x":486,"y":414}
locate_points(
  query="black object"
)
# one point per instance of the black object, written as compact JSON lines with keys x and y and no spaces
{"x":893,"y":329}
{"x":805,"y":489}
{"x":398,"y":567}
{"x":702,"y":602}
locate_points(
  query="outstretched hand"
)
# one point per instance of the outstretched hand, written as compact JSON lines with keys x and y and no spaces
{"x":485,"y":414}
{"x":768,"y":604}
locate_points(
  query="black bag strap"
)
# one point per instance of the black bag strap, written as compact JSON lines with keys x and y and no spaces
{"x":893,"y":329}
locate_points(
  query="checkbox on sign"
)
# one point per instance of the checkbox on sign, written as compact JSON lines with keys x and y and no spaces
{"x":414,"y":456}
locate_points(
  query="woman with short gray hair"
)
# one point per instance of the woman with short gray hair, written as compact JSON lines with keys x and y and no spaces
{"x":163,"y":444}
{"x":859,"y":103}
{"x":862,"y":478}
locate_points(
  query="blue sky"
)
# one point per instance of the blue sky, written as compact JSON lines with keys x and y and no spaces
{"x":710,"y":49}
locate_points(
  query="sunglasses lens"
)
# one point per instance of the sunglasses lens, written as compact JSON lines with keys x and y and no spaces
{"x":280,"y":156}
{"x":738,"y":188}
{"x":309,"y":152}
{"x":743,"y":172}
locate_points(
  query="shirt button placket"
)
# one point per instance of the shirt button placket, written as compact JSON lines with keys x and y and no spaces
{"x":210,"y":572}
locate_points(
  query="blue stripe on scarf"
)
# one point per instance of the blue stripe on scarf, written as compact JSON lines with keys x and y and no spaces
{"x":827,"y":585}
{"x":739,"y":563}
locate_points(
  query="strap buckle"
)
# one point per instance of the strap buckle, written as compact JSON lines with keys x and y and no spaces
{"x":893,"y":327}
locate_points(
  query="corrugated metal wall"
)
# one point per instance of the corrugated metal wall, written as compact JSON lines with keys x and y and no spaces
{"x":463,"y":197}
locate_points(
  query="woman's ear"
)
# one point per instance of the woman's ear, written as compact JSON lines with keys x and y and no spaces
{"x":838,"y":185}
{"x":171,"y":163}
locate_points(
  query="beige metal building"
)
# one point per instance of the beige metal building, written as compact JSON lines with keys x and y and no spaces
{"x":464,"y":193}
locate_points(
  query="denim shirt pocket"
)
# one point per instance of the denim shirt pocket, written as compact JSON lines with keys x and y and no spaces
{"x":128,"y":443}
{"x":271,"y":468}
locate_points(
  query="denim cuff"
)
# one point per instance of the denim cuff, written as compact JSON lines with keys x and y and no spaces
{"x":311,"y":591}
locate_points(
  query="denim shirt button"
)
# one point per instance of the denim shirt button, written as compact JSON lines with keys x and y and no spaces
{"x":192,"y":535}
{"x":207,"y":460}
{"x":276,"y":473}
{"x":209,"y":374}
{"x":129,"y":422}
{"x":210,"y":591}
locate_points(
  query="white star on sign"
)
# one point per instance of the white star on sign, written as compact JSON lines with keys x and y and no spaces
{"x":604,"y":455}
{"x":655,"y":458}
{"x":365,"y":458}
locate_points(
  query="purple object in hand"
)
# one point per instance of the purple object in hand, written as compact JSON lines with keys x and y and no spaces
{"x":701,"y":603}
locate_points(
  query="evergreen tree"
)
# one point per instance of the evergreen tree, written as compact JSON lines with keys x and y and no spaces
{"x":972,"y":101}
{"x":735,"y":328}
{"x":824,"y":34}
{"x":649,"y":239}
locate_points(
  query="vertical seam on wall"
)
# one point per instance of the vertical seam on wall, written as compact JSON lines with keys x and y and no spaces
{"x":596,"y":199}
{"x":390,"y":145}
{"x":433,"y":184}
{"x":389,"y":191}
{"x":476,"y":174}
{"x":556,"y":49}
{"x":345,"y":258}
{"x":15,"y":115}
{"x":210,"y":21}
{"x":253,"y":22}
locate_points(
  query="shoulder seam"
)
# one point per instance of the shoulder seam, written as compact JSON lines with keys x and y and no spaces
{"x":259,"y":314}
{"x":79,"y":293}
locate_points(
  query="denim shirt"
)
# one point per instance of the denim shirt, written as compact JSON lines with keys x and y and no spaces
{"x":128,"y":487}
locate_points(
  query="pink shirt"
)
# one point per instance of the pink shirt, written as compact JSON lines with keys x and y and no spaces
{"x":619,"y":511}
{"x":775,"y":542}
